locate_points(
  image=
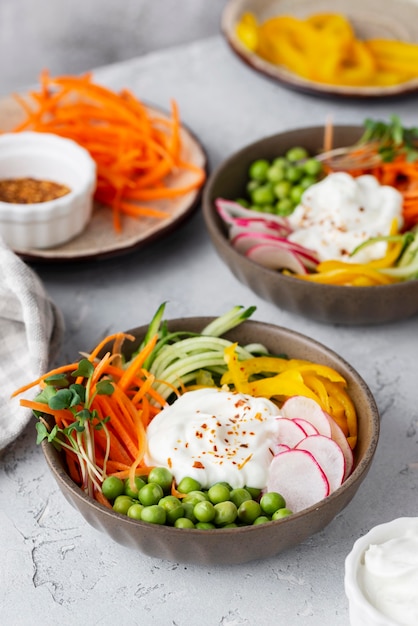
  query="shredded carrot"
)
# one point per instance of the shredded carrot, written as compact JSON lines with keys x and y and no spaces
{"x":135,"y":149}
{"x":399,"y":173}
{"x":115,"y":433}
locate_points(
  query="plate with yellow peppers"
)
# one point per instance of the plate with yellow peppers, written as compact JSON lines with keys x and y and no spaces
{"x":345,"y":48}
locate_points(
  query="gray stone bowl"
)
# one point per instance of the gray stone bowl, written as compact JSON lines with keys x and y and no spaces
{"x":337,"y":304}
{"x":237,"y":545}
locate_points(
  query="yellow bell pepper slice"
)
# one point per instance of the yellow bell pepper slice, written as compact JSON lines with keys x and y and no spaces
{"x":283,"y":385}
{"x":247,"y":31}
{"x":273,"y":364}
{"x":237,"y":373}
{"x":336,"y":391}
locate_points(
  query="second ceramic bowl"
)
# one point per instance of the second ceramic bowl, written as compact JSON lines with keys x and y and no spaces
{"x":325,"y":303}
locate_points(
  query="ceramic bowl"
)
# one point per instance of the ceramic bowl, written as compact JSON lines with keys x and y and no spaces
{"x":371,"y":19}
{"x":362,"y":610}
{"x":324,"y":303}
{"x":237,"y":545}
{"x":46,"y":157}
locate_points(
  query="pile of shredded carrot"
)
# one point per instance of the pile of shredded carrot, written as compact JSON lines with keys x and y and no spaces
{"x":134,"y":148}
{"x":118,"y":451}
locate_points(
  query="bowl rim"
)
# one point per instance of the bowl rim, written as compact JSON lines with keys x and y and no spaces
{"x":359,"y":470}
{"x":215,"y":229}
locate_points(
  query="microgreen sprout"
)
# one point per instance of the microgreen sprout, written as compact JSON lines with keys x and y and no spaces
{"x":60,"y":394}
{"x":393,"y":139}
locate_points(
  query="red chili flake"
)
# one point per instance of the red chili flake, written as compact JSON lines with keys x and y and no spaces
{"x":204,"y":426}
{"x":215,"y":448}
{"x":199,"y":435}
{"x":169,"y":463}
{"x":198,"y":465}
{"x":243,"y":445}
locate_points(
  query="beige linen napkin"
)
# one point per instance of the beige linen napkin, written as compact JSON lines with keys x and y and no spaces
{"x":31,"y":329}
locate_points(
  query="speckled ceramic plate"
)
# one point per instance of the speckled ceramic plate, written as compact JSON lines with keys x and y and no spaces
{"x":390,"y":19}
{"x":229,"y":546}
{"x":99,"y":239}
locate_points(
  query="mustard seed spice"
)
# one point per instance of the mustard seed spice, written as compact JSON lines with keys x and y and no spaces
{"x":30,"y":190}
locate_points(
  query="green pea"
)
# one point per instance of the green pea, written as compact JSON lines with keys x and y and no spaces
{"x":195,"y":496}
{"x":204,"y":511}
{"x":307,"y":181}
{"x":280,"y":162}
{"x":272,"y":501}
{"x":276,"y":173}
{"x":296,"y":194}
{"x":154,"y":514}
{"x":173,"y":508}
{"x":218,"y":493}
{"x":297,"y":153}
{"x":122,"y":504}
{"x":225,"y":513}
{"x":255,"y":492}
{"x":239,"y":495}
{"x":135,"y":511}
{"x":261,"y":520}
{"x":263,"y":195}
{"x":205,"y":525}
{"x":188,"y":484}
{"x":251,"y":185}
{"x":294,"y":173}
{"x":150,"y":494}
{"x":161,"y":476}
{"x":188,"y":508}
{"x":248,"y":511}
{"x":231,"y":525}
{"x":280,"y":513}
{"x":258,"y":170}
{"x":313,"y":167}
{"x":183,"y":522}
{"x":284,"y":207}
{"x":282,"y":189}
{"x":139,"y":483}
{"x":112,"y":487}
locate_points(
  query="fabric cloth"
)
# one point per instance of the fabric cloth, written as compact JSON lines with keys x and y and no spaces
{"x":31,"y":329}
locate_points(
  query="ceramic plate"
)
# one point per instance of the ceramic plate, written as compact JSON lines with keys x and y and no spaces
{"x":99,"y":240}
{"x":388,"y":19}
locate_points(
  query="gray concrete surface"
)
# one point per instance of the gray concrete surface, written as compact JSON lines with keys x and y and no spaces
{"x":77,"y":35}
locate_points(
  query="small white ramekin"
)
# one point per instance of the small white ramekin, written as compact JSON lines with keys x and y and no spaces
{"x":362,"y":612}
{"x":49,"y":157}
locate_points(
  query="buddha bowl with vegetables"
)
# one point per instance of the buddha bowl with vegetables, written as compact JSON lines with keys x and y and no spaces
{"x":207,"y":440}
{"x":318,"y":233}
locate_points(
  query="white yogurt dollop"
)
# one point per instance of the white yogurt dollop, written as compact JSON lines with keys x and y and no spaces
{"x":340,"y":212}
{"x":214,"y":435}
{"x":389,"y":577}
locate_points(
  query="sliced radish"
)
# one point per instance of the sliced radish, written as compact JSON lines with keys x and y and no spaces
{"x":307,"y":426}
{"x":276,"y":258}
{"x":280,"y":447}
{"x":299,"y":478}
{"x":338,"y":436}
{"x":256,"y":226}
{"x":288,"y":432}
{"x":306,"y":408}
{"x":329,"y":456}
{"x":231,"y":212}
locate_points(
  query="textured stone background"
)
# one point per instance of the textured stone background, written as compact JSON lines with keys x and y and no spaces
{"x":77,"y":35}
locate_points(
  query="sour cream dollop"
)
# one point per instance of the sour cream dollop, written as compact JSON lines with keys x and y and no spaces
{"x":389,"y":577}
{"x":213,"y":435}
{"x":338,"y":213}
